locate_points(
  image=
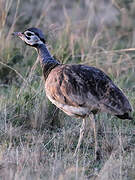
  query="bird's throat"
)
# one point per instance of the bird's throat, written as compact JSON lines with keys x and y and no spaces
{"x":46,"y":60}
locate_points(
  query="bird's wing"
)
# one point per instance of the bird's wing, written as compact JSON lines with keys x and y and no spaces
{"x":79,"y":85}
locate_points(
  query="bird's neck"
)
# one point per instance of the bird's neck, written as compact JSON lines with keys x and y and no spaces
{"x":46,"y":60}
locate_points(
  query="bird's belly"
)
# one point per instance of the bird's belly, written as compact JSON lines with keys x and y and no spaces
{"x":71,"y":110}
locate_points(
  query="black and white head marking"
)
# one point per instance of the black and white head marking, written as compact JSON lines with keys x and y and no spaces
{"x":31,"y":38}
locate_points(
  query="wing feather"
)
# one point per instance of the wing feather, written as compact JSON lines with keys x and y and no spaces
{"x":84,"y":86}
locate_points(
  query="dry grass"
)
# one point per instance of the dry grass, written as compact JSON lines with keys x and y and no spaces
{"x":37,"y":140}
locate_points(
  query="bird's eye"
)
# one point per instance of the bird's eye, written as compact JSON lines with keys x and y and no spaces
{"x":28,"y":34}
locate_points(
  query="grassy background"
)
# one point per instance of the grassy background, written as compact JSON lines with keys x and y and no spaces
{"x":37,"y":141}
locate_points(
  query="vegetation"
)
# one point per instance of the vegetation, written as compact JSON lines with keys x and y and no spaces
{"x":37,"y":140}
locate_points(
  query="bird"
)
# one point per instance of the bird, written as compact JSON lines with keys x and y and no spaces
{"x":79,"y":90}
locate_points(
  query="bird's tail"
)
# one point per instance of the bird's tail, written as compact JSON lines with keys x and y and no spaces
{"x":125,"y":116}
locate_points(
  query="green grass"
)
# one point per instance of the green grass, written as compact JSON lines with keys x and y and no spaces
{"x":38,"y":140}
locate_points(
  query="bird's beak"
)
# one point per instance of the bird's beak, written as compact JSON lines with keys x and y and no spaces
{"x":19,"y":34}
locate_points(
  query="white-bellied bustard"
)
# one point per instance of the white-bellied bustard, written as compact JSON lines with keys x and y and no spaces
{"x":78,"y":90}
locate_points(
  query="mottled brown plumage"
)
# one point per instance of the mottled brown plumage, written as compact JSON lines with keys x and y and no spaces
{"x":79,"y":90}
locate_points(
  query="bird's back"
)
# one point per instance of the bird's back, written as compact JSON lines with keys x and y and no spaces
{"x":79,"y":90}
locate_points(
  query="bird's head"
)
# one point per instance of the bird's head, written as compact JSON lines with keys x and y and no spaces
{"x":32,"y":36}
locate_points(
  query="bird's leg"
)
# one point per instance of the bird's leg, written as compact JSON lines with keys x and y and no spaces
{"x":95,"y":137}
{"x":82,"y":130}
